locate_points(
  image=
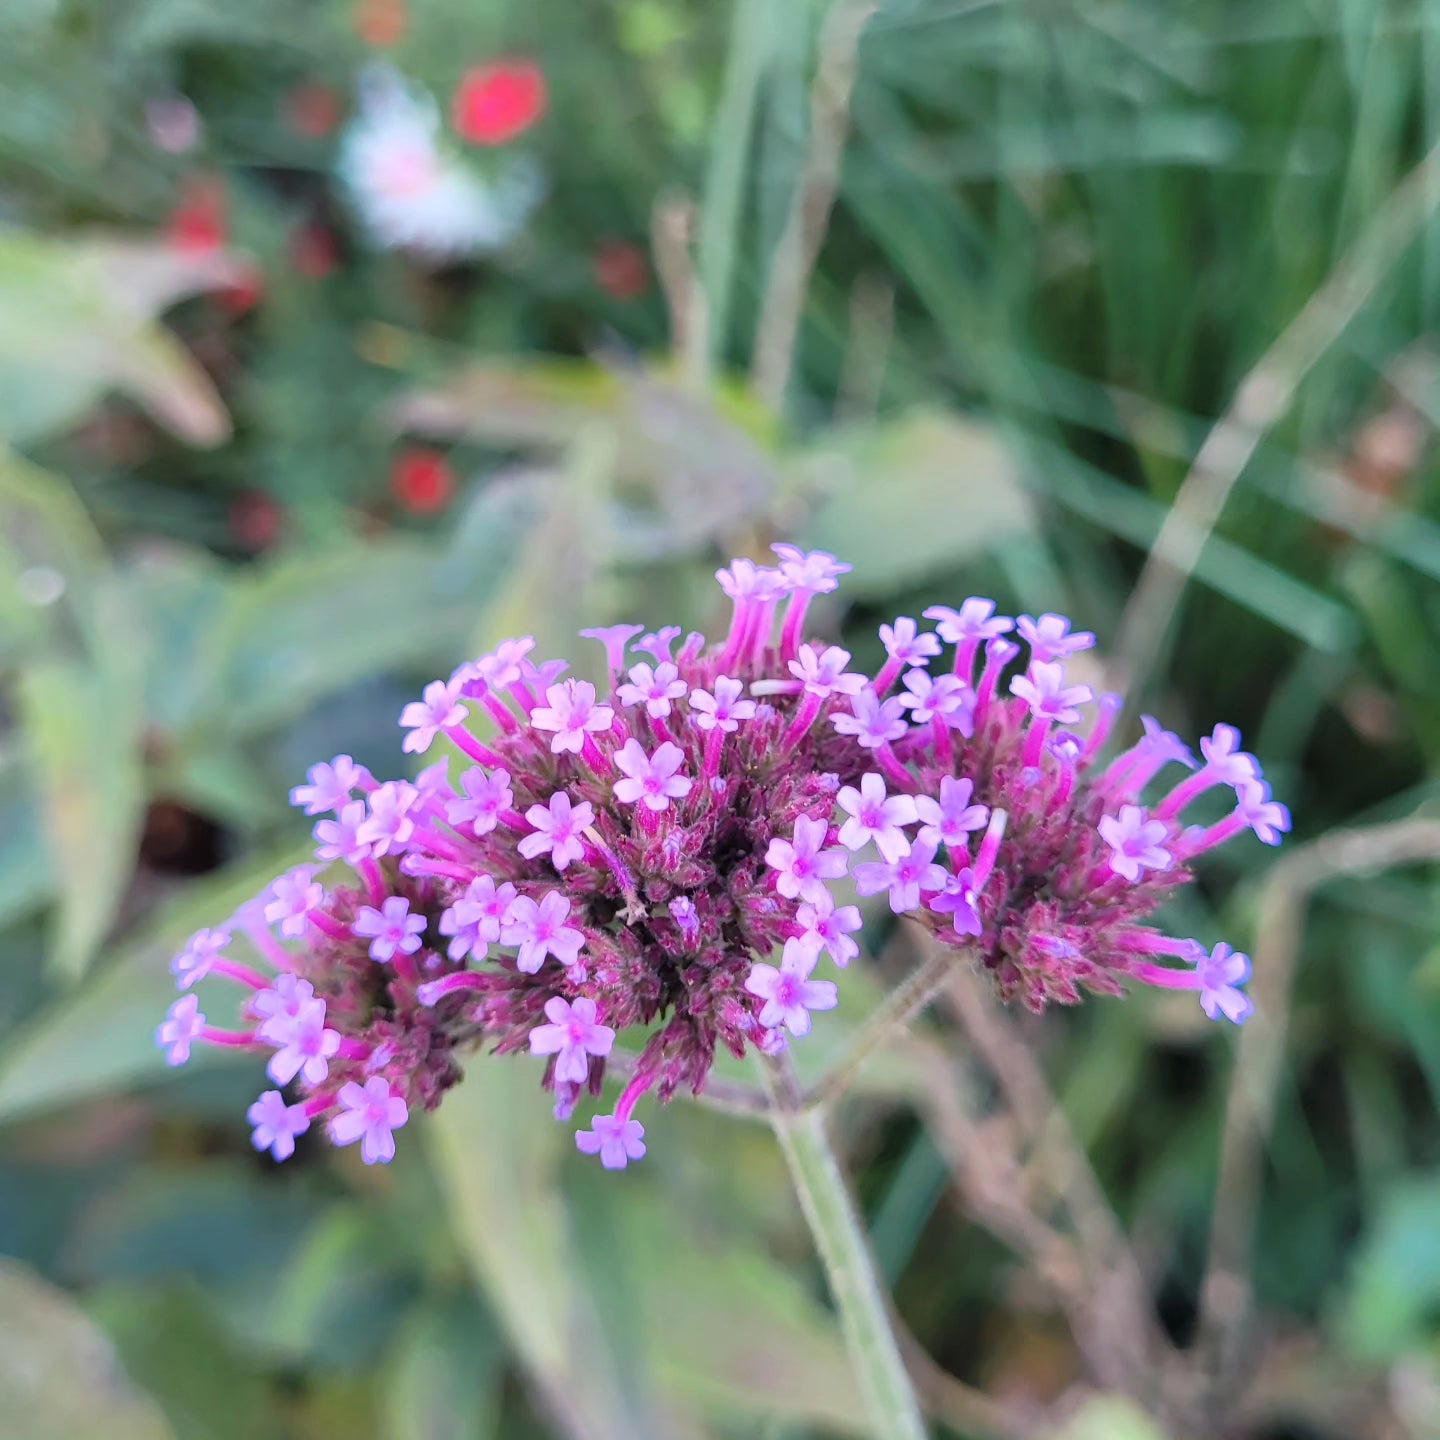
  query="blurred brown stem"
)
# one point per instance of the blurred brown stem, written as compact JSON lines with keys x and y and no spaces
{"x":1250,"y":1109}
{"x":1260,"y":402}
{"x":799,"y":245}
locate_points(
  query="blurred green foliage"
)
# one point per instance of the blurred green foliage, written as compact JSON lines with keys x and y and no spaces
{"x":1063,"y":235}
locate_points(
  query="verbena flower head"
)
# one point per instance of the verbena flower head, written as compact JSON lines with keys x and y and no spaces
{"x":652,"y":867}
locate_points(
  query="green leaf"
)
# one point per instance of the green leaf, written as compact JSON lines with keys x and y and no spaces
{"x":497,"y":1152}
{"x":77,"y":320}
{"x":444,"y":1377}
{"x":911,"y":499}
{"x":100,"y":1037}
{"x":59,"y":1378}
{"x":1395,"y":1286}
{"x":83,"y":725}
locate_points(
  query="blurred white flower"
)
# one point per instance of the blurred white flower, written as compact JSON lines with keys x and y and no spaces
{"x":411,"y":194}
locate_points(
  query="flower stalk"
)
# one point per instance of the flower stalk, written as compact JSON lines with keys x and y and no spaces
{"x":845,"y":1252}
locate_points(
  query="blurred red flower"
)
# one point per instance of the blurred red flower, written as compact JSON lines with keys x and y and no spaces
{"x":312,"y":109}
{"x":422,"y":481}
{"x":313,"y":251}
{"x":380,"y":22}
{"x":493,"y":104}
{"x":197,"y":223}
{"x":621,"y":270}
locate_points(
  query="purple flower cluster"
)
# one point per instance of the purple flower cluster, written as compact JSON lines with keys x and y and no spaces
{"x":634,"y":861}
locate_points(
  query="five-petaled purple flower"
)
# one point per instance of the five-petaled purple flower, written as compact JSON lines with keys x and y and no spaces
{"x":874,"y":816}
{"x":371,"y":1114}
{"x":826,"y":927}
{"x":950,"y":819}
{"x":872,"y":721}
{"x":571,"y":713}
{"x":486,"y":798}
{"x":390,"y":928}
{"x":276,"y":1124}
{"x":904,"y":878}
{"x":804,"y":865}
{"x":180,"y":1029}
{"x":1135,"y":842}
{"x":572,"y":1036}
{"x":427,"y":718}
{"x":615,"y":1141}
{"x":1050,"y":637}
{"x":306,"y":1045}
{"x":789,"y":993}
{"x":194,"y":961}
{"x":1044,"y":690}
{"x":721,"y":708}
{"x":558,"y":828}
{"x":292,"y":899}
{"x":654,"y":688}
{"x":1219,"y":976}
{"x":331,"y":786}
{"x":540,"y":930}
{"x":651,"y":778}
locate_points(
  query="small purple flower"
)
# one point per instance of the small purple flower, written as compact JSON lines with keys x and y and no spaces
{"x":1135,"y":842}
{"x":724,"y":709}
{"x":1266,"y":817}
{"x":200,"y":953}
{"x":540,"y":930}
{"x":823,"y":672}
{"x":1044,"y":690}
{"x":1049,"y":637}
{"x":960,"y":899}
{"x":425,"y":719}
{"x":276,"y":1124}
{"x":614,"y":638}
{"x":330,"y":785}
{"x":390,"y":928}
{"x":277,"y":1007}
{"x":816,"y":573}
{"x":486,"y":797}
{"x":905,"y":643}
{"x":829,"y":928}
{"x":874,"y":816}
{"x":181,"y":1027}
{"x":340,"y":839}
{"x":390,"y":825}
{"x":950,"y":819}
{"x":572,"y":1036}
{"x":433,"y":785}
{"x":558,"y":828}
{"x":477,"y":918}
{"x":972,"y":621}
{"x":872,"y":721}
{"x":803,"y":864}
{"x":658,"y":644}
{"x":651,"y":778}
{"x":904,"y":878}
{"x":1220,"y":975}
{"x":292,"y":898}
{"x":789,"y":993}
{"x":745,"y":580}
{"x":371,"y":1114}
{"x":654,"y":688}
{"x":945,"y":695}
{"x":1224,"y":758}
{"x":306,"y":1048}
{"x":502,"y":667}
{"x":1163,"y":744}
{"x":615,"y":1141}
{"x":571,"y":714}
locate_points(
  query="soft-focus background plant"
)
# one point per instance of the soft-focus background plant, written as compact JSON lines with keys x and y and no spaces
{"x":954,"y":288}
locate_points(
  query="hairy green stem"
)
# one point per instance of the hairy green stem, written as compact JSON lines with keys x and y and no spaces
{"x":840,"y":1238}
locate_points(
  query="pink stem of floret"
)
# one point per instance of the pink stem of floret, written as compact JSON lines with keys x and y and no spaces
{"x":1035,"y":738}
{"x":323,"y":921}
{"x":453,"y":984}
{"x":762,"y":627}
{"x":1107,"y":708}
{"x":940,"y":737}
{"x":1217,"y":834}
{"x":353,"y":1049}
{"x":1166,"y":978}
{"x":590,"y":754}
{"x":989,"y":847}
{"x":1186,"y":791}
{"x":887,"y":676}
{"x":243,"y":974}
{"x":794,"y":626}
{"x":714,"y":742}
{"x":374,"y":880}
{"x":500,"y":712}
{"x":261,"y":938}
{"x":630,"y":1096}
{"x":998,"y":654}
{"x":965,"y":658}
{"x":736,"y":640}
{"x":464,"y":741}
{"x":801,"y":721}
{"x":230,"y":1039}
{"x":890,"y":764}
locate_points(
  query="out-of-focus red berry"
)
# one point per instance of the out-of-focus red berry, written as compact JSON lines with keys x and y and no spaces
{"x":493,"y":104}
{"x":312,"y":109}
{"x":422,"y":481}
{"x":255,"y":520}
{"x":197,"y":223}
{"x":313,"y":252}
{"x":621,"y":270}
{"x":380,"y":22}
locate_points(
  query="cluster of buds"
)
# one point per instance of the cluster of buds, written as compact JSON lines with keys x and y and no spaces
{"x":662,"y":859}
